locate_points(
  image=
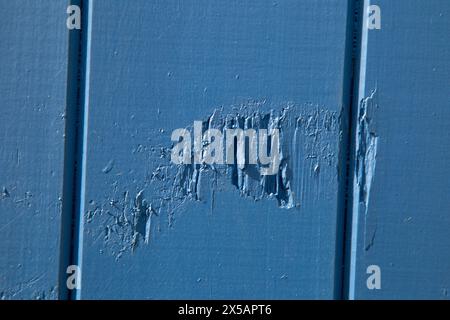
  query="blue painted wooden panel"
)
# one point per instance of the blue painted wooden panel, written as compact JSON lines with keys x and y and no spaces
{"x":401,"y":208}
{"x":152,"y":229}
{"x":33,"y":69}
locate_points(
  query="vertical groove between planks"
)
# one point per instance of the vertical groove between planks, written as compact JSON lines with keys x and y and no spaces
{"x":82,"y":134}
{"x":70,"y":156}
{"x":359,"y":50}
{"x":74,"y":149}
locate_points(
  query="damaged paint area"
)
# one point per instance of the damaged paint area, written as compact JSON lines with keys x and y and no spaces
{"x":34,"y":288}
{"x":366,"y":154}
{"x":131,"y":215}
{"x":367,"y":148}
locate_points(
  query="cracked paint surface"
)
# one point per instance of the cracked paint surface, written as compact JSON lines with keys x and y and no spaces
{"x":365,"y":162}
{"x":132,"y":214}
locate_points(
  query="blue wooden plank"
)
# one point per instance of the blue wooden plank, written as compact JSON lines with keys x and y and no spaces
{"x":400,"y":200}
{"x":153,"y":229}
{"x":33,"y":85}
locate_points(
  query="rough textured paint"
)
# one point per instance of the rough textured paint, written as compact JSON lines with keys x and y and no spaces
{"x":366,"y":149}
{"x":125,"y":217}
{"x":366,"y":152}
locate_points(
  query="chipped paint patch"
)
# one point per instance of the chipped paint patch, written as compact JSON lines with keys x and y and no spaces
{"x":131,"y":214}
{"x":109,"y":166}
{"x":366,"y":148}
{"x":366,"y":156}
